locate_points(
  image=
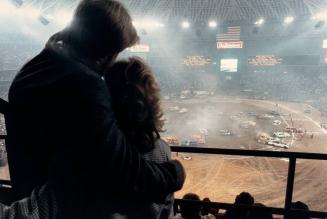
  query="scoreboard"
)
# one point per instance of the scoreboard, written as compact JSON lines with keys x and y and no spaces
{"x":196,"y":61}
{"x":265,"y":60}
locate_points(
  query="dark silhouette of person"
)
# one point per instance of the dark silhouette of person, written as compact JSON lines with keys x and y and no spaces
{"x":244,"y":198}
{"x":208,"y":210}
{"x":135,"y":97}
{"x":190,"y":210}
{"x":259,"y":213}
{"x":298,"y":215}
{"x":61,"y":126}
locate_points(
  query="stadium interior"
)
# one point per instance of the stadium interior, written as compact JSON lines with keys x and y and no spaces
{"x":243,"y":85}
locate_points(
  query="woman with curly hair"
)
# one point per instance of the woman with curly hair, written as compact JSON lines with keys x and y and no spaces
{"x":136,"y":103}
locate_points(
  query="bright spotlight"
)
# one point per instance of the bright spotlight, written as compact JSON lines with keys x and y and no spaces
{"x":63,"y":18}
{"x":212,"y":24}
{"x":320,"y":16}
{"x":147,"y":24}
{"x":185,"y":24}
{"x":288,"y":20}
{"x":136,"y":24}
{"x":157,"y":24}
{"x":17,"y":3}
{"x":259,"y":22}
{"x":32,"y":12}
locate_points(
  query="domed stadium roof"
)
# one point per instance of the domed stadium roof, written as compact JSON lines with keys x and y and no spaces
{"x":203,"y":10}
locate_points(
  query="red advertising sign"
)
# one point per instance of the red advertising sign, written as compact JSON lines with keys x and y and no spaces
{"x":139,"y":48}
{"x":230,"y":45}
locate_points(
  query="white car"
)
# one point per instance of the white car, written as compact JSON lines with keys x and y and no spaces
{"x":187,"y":157}
{"x":252,"y":114}
{"x":275,"y":113}
{"x":183,"y":110}
{"x":307,"y":111}
{"x":244,"y":125}
{"x":281,"y":134}
{"x":225,"y":132}
{"x":277,"y":122}
{"x":247,"y":124}
{"x":189,"y":143}
{"x":204,"y":131}
{"x":274,"y":139}
{"x":280,"y":145}
{"x":235,"y":118}
{"x":201,"y":93}
{"x":267,"y":116}
{"x":271,"y":143}
{"x":241,"y":114}
{"x":220,"y":113}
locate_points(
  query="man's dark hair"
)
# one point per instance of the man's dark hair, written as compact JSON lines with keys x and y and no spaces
{"x":190,"y":210}
{"x":136,"y":101}
{"x":100,"y":28}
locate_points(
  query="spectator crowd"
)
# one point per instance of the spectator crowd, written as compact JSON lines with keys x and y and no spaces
{"x":192,"y":210}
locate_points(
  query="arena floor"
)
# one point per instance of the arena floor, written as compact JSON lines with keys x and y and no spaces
{"x":221,"y":178}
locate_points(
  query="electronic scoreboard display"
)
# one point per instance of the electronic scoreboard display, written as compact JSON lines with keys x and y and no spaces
{"x":228,"y":65}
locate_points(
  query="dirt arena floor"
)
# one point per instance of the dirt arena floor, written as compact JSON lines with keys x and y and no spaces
{"x":221,"y":178}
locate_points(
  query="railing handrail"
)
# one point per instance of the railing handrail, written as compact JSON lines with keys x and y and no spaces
{"x":251,"y":153}
{"x":273,"y":210}
{"x":292,"y":156}
{"x":5,"y":182}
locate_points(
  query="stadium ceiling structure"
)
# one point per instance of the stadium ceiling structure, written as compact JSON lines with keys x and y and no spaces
{"x":204,"y":10}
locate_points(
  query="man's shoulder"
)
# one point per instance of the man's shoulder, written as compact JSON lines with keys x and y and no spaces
{"x":49,"y":68}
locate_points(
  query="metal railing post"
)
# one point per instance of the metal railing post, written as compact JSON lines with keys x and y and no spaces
{"x":290,"y":183}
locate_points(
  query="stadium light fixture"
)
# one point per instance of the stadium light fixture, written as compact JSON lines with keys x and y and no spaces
{"x":62,"y":18}
{"x":185,"y":24}
{"x":17,"y":3}
{"x":147,"y":24}
{"x":259,"y":22}
{"x":212,"y":24}
{"x":32,"y":12}
{"x":7,"y":9}
{"x":288,"y":19}
{"x":136,"y":24}
{"x":320,"y":16}
{"x":44,"y":20}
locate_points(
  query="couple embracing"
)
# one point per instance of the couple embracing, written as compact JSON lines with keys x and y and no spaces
{"x":84,"y":129}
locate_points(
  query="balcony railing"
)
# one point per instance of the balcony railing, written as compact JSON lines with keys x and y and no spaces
{"x":292,"y":156}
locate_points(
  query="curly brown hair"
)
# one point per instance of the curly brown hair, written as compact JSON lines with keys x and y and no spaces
{"x":135,"y":97}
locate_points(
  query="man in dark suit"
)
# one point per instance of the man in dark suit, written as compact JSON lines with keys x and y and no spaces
{"x":61,"y":127}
